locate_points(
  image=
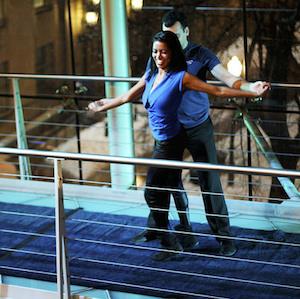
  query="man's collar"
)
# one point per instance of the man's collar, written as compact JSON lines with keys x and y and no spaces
{"x":189,"y":45}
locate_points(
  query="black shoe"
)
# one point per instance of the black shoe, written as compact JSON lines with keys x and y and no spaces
{"x":187,"y":241}
{"x":163,"y":256}
{"x":227,"y":248}
{"x":145,"y":236}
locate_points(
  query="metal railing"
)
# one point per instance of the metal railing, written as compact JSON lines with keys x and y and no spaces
{"x":63,"y":273}
{"x":24,"y":165}
{"x":115,"y":79}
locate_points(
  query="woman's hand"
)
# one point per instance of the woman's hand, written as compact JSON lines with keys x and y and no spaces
{"x":99,"y":105}
{"x":106,"y":104}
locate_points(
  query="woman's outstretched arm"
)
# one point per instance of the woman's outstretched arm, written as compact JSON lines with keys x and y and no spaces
{"x":132,"y":94}
{"x":193,"y":83}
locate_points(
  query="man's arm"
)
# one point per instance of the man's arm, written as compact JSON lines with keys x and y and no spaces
{"x":230,"y":80}
{"x":223,"y":75}
{"x":192,"y":82}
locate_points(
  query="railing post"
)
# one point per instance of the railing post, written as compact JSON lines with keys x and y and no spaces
{"x":62,"y":263}
{"x":73,"y":65}
{"x":245,"y":35}
{"x":24,"y":163}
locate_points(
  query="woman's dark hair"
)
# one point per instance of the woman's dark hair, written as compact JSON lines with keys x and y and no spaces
{"x":177,"y":62}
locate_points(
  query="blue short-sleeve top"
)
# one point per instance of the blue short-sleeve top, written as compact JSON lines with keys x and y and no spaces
{"x":194,"y":108}
{"x":162,"y":104}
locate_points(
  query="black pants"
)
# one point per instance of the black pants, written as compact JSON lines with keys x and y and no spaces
{"x":158,"y":198}
{"x":201,"y":145}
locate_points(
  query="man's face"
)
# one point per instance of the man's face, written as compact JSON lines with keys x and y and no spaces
{"x":181,"y":33}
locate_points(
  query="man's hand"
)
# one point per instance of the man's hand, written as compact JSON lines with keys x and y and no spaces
{"x":260,"y":87}
{"x":99,"y":105}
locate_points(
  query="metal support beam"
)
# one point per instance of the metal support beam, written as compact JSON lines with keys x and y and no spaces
{"x":255,"y":132}
{"x":73,"y":67}
{"x":116,"y":63}
{"x":62,"y":264}
{"x":245,"y":36}
{"x":24,"y":163}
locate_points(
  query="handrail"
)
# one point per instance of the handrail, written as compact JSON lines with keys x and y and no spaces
{"x":70,"y":77}
{"x":151,"y":162}
{"x":217,"y":9}
{"x":115,"y":79}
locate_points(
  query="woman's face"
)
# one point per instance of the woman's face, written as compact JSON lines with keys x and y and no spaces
{"x":161,"y":55}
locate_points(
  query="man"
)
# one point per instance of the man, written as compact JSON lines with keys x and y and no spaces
{"x":194,"y":116}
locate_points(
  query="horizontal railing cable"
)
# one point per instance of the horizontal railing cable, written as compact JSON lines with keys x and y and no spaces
{"x":17,"y":175}
{"x":102,"y":125}
{"x":187,"y":253}
{"x":224,"y":106}
{"x":27,"y":252}
{"x":273,"y":122}
{"x":232,"y":279}
{"x":27,"y":233}
{"x":194,"y":191}
{"x":111,"y":282}
{"x":113,"y":79}
{"x":187,"y":233}
{"x":169,"y":270}
{"x":26,"y":214}
{"x":167,"y":250}
{"x":27,"y":270}
{"x":148,"y":288}
{"x":242,"y":215}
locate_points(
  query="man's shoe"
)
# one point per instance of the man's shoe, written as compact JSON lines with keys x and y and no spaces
{"x":227,"y":248}
{"x":187,"y":241}
{"x":145,"y":236}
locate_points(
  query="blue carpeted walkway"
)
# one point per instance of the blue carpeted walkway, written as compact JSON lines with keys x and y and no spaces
{"x":100,"y":256}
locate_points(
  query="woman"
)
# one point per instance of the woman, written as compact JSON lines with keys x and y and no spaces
{"x":162,"y":87}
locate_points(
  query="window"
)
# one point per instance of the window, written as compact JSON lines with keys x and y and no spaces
{"x":45,"y":64}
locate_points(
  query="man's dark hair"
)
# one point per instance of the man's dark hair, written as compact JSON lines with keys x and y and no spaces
{"x":173,"y":16}
{"x":177,"y":62}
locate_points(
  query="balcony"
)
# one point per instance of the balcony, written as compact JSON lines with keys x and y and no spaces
{"x":67,"y":235}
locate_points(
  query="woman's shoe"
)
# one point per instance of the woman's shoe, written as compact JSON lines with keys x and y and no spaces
{"x":170,"y":248}
{"x":188,"y":241}
{"x":145,"y":236}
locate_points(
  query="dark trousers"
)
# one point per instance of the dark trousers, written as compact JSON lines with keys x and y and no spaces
{"x":201,"y":145}
{"x":158,"y":179}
